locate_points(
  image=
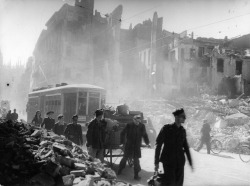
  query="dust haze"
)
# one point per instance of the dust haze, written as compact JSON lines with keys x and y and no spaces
{"x":155,"y":56}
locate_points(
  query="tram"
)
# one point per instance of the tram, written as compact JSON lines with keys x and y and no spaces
{"x":81,"y":99}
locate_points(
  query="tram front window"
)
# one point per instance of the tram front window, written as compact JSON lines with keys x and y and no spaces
{"x":82,"y":102}
{"x":93,"y":102}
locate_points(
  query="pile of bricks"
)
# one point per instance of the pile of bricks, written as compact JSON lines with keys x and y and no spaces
{"x":32,"y":157}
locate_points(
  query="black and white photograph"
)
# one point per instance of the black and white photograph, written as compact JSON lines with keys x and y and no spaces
{"x":124,"y":93}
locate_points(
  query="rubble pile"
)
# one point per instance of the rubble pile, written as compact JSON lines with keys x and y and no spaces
{"x":33,"y":157}
{"x":229,"y":118}
{"x":16,"y":151}
{"x":228,"y":123}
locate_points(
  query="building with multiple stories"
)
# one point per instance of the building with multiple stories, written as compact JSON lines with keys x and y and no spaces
{"x":82,"y":46}
{"x":78,"y":46}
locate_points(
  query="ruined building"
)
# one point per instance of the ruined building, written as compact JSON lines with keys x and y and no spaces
{"x":230,"y":67}
{"x":141,"y":57}
{"x":188,"y":65}
{"x":78,"y":46}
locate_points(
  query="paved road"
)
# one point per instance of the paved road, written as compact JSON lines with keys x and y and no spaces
{"x":225,"y":169}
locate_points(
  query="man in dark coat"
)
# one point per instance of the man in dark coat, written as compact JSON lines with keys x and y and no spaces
{"x":14,"y":116}
{"x":173,"y":137}
{"x":73,"y":131}
{"x":8,"y":116}
{"x":48,"y":122}
{"x":96,"y":136}
{"x":134,"y":132}
{"x":205,"y":136}
{"x":60,"y":126}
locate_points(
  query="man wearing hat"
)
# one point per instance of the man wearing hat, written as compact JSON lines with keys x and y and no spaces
{"x":49,"y":122}
{"x":133,"y":132}
{"x":173,"y":137}
{"x":205,"y":136}
{"x":73,"y":131}
{"x":96,"y":136}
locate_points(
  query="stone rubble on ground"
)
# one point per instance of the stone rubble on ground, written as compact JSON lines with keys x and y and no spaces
{"x":31,"y":156}
{"x":229,"y":118}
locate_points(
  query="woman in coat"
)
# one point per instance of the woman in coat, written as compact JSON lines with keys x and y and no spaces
{"x":37,"y":120}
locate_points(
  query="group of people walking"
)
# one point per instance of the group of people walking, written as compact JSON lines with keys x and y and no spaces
{"x":72,"y":131}
{"x":171,"y":143}
{"x":172,"y":138}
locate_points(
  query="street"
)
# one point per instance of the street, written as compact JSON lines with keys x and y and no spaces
{"x":225,"y":169}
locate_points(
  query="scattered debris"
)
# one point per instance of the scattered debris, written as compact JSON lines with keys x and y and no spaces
{"x":32,"y":156}
{"x":229,"y":118}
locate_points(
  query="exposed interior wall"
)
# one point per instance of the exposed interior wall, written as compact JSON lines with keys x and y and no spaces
{"x":246,"y":70}
{"x":216,"y":76}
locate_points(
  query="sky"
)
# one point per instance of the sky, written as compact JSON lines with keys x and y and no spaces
{"x":21,"y":21}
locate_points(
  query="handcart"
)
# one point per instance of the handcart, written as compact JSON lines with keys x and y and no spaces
{"x":112,"y":147}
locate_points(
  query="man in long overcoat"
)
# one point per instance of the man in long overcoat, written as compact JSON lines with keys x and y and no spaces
{"x":133,"y":133}
{"x":96,"y":136}
{"x":205,"y":136}
{"x":173,"y":137}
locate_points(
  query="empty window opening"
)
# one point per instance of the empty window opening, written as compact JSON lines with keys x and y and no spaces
{"x":201,"y":51}
{"x":238,"y":70}
{"x":220,"y":65}
{"x":182,"y":54}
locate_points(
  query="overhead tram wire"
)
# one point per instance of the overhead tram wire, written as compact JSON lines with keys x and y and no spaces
{"x":187,"y":29}
{"x":101,"y":66}
{"x":218,"y":21}
{"x":131,"y":49}
{"x":141,"y":13}
{"x":124,"y":51}
{"x":119,"y":20}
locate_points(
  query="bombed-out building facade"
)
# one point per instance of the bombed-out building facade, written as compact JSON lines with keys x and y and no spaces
{"x":230,"y":67}
{"x":78,"y":46}
{"x":81,"y":45}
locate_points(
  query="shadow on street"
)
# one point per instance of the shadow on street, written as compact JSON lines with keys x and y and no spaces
{"x":223,"y":156}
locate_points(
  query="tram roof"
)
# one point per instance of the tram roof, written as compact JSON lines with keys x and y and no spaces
{"x":86,"y":86}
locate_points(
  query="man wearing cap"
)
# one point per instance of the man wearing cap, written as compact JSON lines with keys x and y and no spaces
{"x":205,"y":136}
{"x":173,"y":137}
{"x":60,"y":126}
{"x":133,"y":132}
{"x":96,"y":136}
{"x":73,"y":131}
{"x":49,"y":122}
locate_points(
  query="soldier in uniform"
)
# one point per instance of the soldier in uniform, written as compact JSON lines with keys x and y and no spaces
{"x":73,"y":131}
{"x":173,"y":137}
{"x":134,"y":132}
{"x":49,"y":122}
{"x":96,"y":136}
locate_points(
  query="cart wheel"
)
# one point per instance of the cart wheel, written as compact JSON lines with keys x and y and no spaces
{"x":130,"y":162}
